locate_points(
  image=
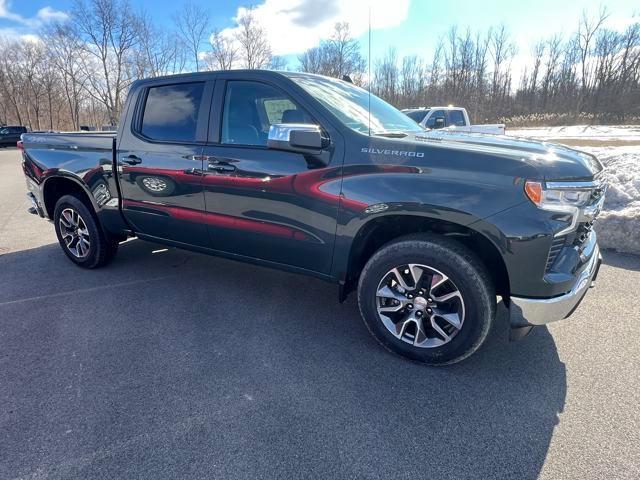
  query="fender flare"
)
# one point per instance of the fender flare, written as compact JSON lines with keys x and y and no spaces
{"x":73,"y":178}
{"x":345,"y":262}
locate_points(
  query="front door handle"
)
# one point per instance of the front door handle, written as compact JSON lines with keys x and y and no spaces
{"x":132,"y":160}
{"x":221,"y":167}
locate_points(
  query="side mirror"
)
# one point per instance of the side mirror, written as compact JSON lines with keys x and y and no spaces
{"x":439,"y":123}
{"x":296,"y":137}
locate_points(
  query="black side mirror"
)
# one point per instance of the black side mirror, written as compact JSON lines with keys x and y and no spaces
{"x":296,"y":137}
{"x":439,"y":123}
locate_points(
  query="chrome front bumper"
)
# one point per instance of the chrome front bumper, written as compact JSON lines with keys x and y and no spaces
{"x":529,"y":312}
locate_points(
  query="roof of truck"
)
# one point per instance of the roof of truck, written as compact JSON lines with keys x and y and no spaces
{"x":197,"y":75}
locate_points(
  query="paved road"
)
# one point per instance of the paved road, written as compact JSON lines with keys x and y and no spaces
{"x":174,"y":364}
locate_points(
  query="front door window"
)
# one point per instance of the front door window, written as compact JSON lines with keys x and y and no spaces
{"x":250,"y":108}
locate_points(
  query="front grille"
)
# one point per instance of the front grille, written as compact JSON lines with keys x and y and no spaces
{"x":582,"y":233}
{"x":556,"y":246}
{"x":597,"y":193}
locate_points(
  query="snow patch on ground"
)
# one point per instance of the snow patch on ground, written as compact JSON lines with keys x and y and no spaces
{"x":618,"y":225}
{"x":593,"y":132}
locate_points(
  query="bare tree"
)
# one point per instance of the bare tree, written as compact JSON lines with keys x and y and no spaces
{"x":629,"y":73}
{"x":480,"y":66}
{"x":108,"y":31}
{"x":554,"y":51}
{"x":532,"y":87}
{"x":386,"y":77}
{"x":223,"y":51}
{"x":33,"y":66}
{"x":434,"y":73}
{"x":312,"y":61}
{"x":252,"y":38}
{"x":66,"y":55}
{"x":343,"y":54}
{"x":158,"y":52}
{"x":585,"y":38}
{"x":192,"y":22}
{"x":277,"y":63}
{"x":412,"y":81}
{"x":502,"y":51}
{"x":336,"y":56}
{"x":11,"y":80}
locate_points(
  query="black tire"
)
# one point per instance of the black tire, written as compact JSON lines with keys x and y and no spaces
{"x":101,"y":248}
{"x":463,"y":268}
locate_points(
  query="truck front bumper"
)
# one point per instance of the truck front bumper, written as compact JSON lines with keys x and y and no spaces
{"x":526,"y":313}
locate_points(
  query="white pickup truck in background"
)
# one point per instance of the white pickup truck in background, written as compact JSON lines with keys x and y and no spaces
{"x":450,"y":118}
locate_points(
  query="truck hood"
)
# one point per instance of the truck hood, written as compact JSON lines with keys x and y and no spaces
{"x":554,"y":162}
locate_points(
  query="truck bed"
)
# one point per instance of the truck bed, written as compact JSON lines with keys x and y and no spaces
{"x":69,"y":141}
{"x":84,"y":158}
{"x":74,"y":153}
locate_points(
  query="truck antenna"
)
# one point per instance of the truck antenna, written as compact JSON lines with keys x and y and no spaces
{"x":369,"y":74}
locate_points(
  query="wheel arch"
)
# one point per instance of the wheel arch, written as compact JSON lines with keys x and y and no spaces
{"x":381,"y":230}
{"x":55,"y":187}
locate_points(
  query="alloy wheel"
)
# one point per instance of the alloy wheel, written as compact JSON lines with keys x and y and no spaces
{"x":74,"y":233}
{"x":420,"y":305}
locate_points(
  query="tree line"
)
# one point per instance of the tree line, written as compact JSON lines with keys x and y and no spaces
{"x":79,"y":70}
{"x":589,"y":76}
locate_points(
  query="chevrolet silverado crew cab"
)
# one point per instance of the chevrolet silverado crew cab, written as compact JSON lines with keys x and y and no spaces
{"x":454,"y":119}
{"x":313,"y":175}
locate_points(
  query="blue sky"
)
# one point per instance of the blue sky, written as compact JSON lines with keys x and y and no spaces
{"x":412,"y":26}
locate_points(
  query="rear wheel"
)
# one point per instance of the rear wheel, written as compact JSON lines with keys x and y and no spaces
{"x":80,"y":235}
{"x":427,"y":298}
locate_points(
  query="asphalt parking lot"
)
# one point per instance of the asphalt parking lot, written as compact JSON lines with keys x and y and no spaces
{"x":170,"y":364}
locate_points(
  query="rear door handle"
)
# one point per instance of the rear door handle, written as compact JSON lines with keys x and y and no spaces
{"x":132,"y":160}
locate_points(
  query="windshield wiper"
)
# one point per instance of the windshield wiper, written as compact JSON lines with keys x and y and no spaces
{"x":391,"y":134}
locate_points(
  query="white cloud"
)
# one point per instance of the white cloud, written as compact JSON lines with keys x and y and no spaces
{"x":295,"y":25}
{"x":6,"y":13}
{"x":48,"y":14}
{"x":44,"y":15}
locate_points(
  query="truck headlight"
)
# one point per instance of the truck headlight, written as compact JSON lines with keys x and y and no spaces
{"x":578,"y":199}
{"x":561,"y":198}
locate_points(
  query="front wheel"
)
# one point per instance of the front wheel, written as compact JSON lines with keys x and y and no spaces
{"x":427,"y":298}
{"x":80,"y":235}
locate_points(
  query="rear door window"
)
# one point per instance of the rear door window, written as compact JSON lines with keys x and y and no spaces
{"x":417,"y":115}
{"x":171,"y":112}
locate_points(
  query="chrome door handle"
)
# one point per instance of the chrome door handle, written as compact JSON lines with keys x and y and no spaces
{"x":221,"y":167}
{"x":132,"y":160}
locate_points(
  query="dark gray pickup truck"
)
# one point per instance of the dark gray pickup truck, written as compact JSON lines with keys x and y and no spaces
{"x":312,"y":175}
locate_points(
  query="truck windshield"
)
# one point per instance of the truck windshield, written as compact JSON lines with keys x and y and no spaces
{"x":351,"y":105}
